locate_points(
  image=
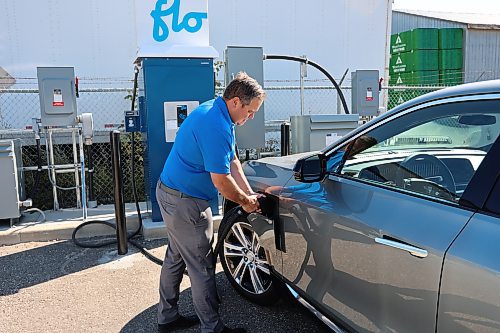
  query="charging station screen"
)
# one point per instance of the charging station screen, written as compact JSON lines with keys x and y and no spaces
{"x":181,"y":114}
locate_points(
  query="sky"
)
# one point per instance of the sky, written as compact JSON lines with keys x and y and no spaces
{"x":463,"y":6}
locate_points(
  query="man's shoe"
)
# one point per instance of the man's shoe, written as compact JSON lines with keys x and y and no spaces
{"x":179,"y":323}
{"x":233,"y":330}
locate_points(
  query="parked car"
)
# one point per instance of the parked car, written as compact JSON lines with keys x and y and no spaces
{"x":393,"y":228}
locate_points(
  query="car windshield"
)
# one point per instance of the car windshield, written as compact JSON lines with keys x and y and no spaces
{"x":432,"y":153}
{"x":442,"y":133}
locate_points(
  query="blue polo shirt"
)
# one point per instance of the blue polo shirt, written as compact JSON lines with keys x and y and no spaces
{"x":204,"y":143}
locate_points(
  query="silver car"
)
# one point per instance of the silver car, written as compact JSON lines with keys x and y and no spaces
{"x":393,"y":228}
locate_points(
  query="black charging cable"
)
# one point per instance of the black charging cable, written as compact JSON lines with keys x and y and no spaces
{"x":318,"y":67}
{"x":134,"y":188}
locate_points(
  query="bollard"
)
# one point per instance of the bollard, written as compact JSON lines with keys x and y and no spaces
{"x":121,"y":223}
{"x":285,"y":139}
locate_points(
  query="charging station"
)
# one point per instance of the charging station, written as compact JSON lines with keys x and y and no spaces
{"x":169,"y":89}
{"x":176,"y":74}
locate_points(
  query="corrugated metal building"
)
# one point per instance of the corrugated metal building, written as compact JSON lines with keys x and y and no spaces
{"x":481,"y":38}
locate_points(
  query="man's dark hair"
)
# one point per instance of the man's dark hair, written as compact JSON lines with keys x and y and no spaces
{"x":245,"y":88}
{"x":361,"y":144}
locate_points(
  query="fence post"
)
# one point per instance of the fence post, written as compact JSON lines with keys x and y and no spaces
{"x":303,"y":74}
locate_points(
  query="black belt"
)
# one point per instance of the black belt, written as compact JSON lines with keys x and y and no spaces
{"x":174,"y":192}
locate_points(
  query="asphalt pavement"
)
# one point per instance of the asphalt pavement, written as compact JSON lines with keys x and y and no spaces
{"x":56,"y":286}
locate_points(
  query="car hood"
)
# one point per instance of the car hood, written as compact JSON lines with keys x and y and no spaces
{"x":271,"y":171}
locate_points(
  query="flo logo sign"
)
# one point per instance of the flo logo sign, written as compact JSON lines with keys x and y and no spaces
{"x":191,"y":22}
{"x":171,"y":27}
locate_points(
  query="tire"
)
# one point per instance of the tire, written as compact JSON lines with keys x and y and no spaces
{"x":246,"y":265}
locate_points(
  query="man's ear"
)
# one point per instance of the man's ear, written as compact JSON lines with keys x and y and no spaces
{"x":235,"y":101}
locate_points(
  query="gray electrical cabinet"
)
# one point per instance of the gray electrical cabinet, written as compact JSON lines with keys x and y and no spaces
{"x":315,"y":132}
{"x":56,"y":86}
{"x":250,"y":60}
{"x":365,"y":92}
{"x":12,"y":192}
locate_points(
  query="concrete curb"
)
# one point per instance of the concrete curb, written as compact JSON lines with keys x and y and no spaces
{"x":60,"y":225}
{"x":154,"y":230}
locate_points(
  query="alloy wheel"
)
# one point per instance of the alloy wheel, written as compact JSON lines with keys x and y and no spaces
{"x":246,"y":259}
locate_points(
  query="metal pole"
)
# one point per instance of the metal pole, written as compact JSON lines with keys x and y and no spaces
{"x":77,"y":177}
{"x":285,"y":139}
{"x":121,"y":223}
{"x":92,"y":202}
{"x":303,"y":73}
{"x":52,"y":170}
{"x":82,"y":168}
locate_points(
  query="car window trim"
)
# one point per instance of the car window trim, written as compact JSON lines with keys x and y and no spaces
{"x":481,"y":185}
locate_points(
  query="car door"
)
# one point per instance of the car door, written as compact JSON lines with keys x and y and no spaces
{"x":469,"y":299}
{"x":366,"y":244}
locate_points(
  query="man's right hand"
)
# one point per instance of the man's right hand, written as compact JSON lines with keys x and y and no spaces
{"x":252,"y":205}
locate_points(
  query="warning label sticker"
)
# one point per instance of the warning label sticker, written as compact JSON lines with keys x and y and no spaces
{"x":369,"y":95}
{"x":58,"y":99}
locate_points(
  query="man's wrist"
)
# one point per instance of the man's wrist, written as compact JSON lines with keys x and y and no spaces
{"x":246,"y":200}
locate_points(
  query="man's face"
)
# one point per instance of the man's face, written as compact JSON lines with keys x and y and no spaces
{"x":244,"y":112}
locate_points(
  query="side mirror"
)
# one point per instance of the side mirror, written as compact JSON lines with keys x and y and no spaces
{"x":310,"y":169}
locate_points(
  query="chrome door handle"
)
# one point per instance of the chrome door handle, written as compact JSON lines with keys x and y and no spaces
{"x":415,"y":251}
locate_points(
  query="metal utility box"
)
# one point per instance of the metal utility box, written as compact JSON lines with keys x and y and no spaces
{"x":315,"y":132}
{"x":56,"y":86}
{"x":12,"y":191}
{"x":365,"y":92}
{"x":250,"y":60}
{"x":169,"y":88}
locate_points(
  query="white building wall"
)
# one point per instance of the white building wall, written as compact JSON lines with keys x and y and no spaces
{"x":98,"y":39}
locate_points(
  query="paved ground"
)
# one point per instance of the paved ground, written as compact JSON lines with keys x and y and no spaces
{"x":58,"y":287}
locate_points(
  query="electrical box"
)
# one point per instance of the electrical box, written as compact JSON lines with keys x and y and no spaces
{"x":315,"y":132}
{"x":56,"y":88}
{"x":169,"y":88}
{"x":12,"y":192}
{"x":250,"y":60}
{"x":365,"y":92}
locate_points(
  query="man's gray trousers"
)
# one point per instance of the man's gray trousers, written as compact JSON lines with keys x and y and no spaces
{"x":190,"y":234}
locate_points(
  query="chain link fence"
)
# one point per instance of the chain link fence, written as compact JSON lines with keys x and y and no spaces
{"x":19,"y":106}
{"x":107,"y":104}
{"x":38,"y":185}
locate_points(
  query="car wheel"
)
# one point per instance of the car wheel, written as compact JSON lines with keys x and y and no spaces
{"x":245,"y":263}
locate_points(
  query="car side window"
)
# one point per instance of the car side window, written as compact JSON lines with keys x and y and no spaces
{"x":432,"y":152}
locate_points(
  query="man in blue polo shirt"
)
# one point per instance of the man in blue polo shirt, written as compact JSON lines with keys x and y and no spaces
{"x":202,"y":162}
